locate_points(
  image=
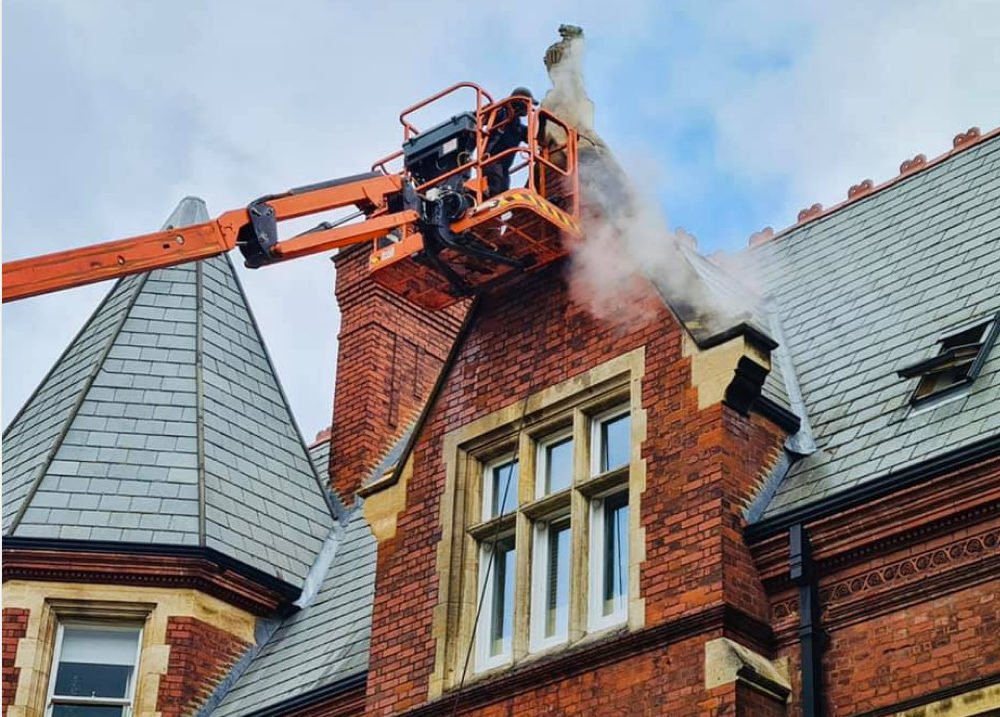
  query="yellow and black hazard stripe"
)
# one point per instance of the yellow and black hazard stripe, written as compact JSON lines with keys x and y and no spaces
{"x":545,"y":208}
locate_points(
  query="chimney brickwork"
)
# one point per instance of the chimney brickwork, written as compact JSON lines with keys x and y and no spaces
{"x":390,"y":353}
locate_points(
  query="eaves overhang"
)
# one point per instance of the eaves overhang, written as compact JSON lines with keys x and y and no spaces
{"x":340,"y":691}
{"x":148,"y":565}
{"x":890,"y":482}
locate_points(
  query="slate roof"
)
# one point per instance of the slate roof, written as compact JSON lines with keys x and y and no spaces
{"x":164,"y":422}
{"x":327,"y":641}
{"x":871,"y":287}
{"x":703,"y":296}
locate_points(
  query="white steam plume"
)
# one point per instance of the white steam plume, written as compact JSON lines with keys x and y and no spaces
{"x":626,"y":243}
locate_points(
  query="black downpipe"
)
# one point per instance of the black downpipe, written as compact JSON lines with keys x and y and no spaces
{"x":802,"y":571}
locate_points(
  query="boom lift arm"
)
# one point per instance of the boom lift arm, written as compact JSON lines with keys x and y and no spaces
{"x":435,"y":236}
{"x":253,"y":229}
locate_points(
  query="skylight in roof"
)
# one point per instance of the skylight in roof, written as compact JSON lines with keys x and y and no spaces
{"x":958,"y":361}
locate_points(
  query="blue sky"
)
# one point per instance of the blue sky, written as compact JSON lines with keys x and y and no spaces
{"x":733,"y":115}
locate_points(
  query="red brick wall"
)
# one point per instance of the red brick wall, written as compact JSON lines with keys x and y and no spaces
{"x":200,"y":656}
{"x":943,"y":642}
{"x":754,"y":703}
{"x":750,"y":449}
{"x":699,"y":464}
{"x":664,"y":681}
{"x":905,"y":621}
{"x":15,"y":626}
{"x":389,"y":354}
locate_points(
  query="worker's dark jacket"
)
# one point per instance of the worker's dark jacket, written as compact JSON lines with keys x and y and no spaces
{"x":509,"y":135}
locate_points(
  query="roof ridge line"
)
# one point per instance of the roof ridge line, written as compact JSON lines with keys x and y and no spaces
{"x":199,"y":392}
{"x":81,"y":397}
{"x":866,"y":188}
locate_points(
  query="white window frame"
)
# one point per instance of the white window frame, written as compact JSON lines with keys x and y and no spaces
{"x":487,"y":505}
{"x":596,"y":448}
{"x":537,"y":640}
{"x":541,"y":463}
{"x":596,"y":620}
{"x":487,"y":584}
{"x":127,"y":702}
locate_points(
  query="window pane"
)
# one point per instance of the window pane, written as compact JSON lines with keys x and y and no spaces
{"x":615,"y":442}
{"x":557,"y":582}
{"x":504,"y":487}
{"x":103,"y":647}
{"x":502,"y":600}
{"x":615,"y":588}
{"x":87,"y":710}
{"x":96,"y":663}
{"x":80,"y":679}
{"x":558,"y":465}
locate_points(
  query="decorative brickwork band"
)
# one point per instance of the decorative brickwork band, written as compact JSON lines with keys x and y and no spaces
{"x":914,"y":567}
{"x":901,"y":572}
{"x":785,"y":609}
{"x":172,"y":567}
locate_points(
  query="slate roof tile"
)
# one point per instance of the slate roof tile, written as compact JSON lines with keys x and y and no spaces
{"x":871,"y":287}
{"x":113,"y":431}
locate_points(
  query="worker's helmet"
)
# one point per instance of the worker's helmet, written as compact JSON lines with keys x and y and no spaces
{"x":522,"y":92}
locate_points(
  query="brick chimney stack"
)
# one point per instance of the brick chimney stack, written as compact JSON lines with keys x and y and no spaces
{"x":389,"y":355}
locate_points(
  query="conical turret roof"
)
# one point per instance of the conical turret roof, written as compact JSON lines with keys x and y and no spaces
{"x":164,"y":423}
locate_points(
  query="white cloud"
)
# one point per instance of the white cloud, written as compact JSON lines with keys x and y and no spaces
{"x":115,"y":110}
{"x":854,"y":88}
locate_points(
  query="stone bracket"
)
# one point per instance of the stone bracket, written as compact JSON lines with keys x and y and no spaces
{"x":728,"y":662}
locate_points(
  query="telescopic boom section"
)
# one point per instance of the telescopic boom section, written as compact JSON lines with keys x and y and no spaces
{"x":445,"y":225}
{"x":76,"y":267}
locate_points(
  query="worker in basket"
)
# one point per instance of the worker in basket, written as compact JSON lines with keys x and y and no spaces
{"x":509,"y":132}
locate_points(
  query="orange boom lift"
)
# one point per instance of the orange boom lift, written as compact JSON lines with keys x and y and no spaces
{"x":435,"y":236}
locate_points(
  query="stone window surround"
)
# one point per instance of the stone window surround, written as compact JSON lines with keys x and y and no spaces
{"x":571,"y":403}
{"x":49,"y":602}
{"x":127,"y":617}
{"x":56,"y":610}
